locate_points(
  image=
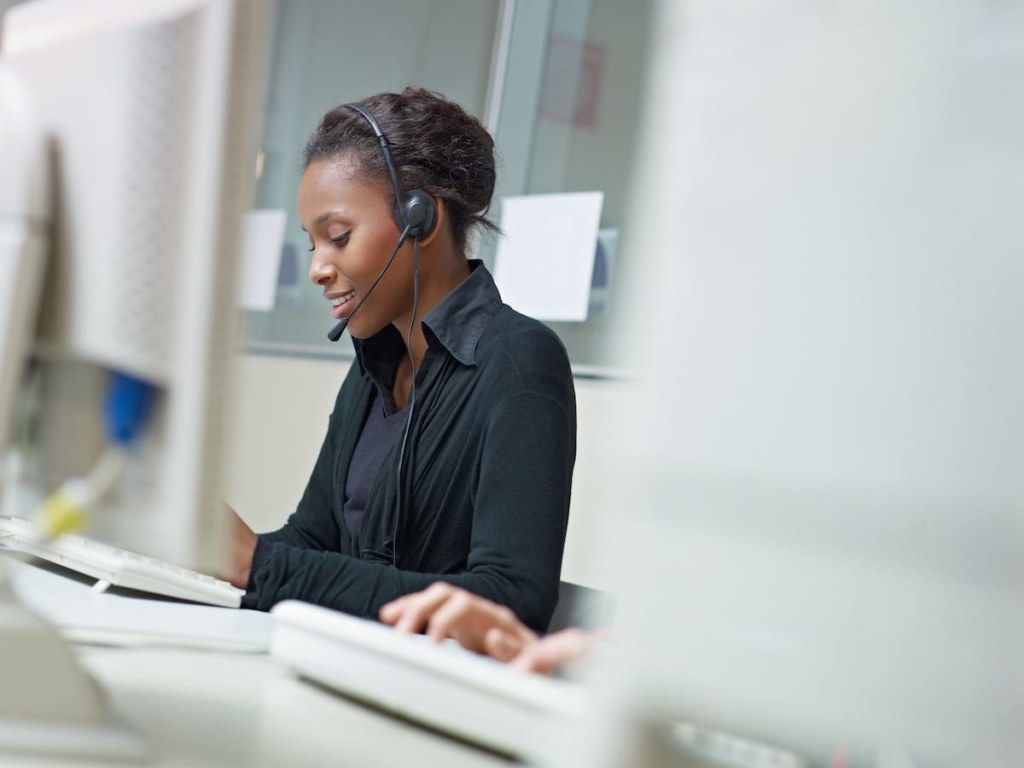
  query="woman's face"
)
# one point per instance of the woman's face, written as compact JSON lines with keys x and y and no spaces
{"x":352,"y":232}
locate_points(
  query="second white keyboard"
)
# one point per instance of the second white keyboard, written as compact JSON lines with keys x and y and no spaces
{"x":118,"y":567}
{"x":441,"y":686}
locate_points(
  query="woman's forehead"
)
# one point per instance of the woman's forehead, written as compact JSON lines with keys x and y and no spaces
{"x":339,"y":175}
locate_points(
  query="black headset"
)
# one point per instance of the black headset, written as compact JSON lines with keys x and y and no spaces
{"x":415,"y":211}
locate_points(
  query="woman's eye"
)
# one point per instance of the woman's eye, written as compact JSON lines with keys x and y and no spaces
{"x":340,"y":239}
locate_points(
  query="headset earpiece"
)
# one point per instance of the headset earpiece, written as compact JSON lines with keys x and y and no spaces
{"x":418,"y":213}
{"x":414,"y":210}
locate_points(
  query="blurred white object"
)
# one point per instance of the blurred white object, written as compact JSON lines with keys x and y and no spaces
{"x":441,"y":686}
{"x":47,"y":702}
{"x":825,"y":472}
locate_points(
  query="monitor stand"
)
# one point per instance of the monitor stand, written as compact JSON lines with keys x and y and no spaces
{"x":49,"y":705}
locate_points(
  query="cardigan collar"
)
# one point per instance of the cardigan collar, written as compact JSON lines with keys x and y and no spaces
{"x":456,"y":324}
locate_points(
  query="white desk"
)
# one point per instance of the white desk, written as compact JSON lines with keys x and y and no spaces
{"x":204,"y":706}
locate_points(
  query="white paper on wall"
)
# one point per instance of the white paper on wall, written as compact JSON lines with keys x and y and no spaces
{"x":545,"y":262}
{"x":260,"y":260}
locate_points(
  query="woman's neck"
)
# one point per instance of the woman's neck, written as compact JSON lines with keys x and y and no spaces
{"x":412,"y":334}
{"x":436,"y":283}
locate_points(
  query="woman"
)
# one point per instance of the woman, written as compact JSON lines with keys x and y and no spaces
{"x":450,"y":450}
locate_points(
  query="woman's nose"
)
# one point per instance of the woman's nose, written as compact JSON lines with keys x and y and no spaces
{"x":320,"y":271}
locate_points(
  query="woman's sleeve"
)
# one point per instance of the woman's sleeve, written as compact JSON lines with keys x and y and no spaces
{"x":522,"y":505}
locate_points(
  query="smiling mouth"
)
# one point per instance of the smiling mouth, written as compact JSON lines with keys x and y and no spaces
{"x":345,"y":297}
{"x":339,"y":305}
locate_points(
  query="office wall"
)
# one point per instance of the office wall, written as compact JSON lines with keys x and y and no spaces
{"x":282,"y":405}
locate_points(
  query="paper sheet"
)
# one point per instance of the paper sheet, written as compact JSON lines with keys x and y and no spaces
{"x":545,"y":262}
{"x":260,"y":260}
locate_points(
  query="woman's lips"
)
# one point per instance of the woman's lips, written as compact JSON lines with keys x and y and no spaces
{"x":342,"y":305}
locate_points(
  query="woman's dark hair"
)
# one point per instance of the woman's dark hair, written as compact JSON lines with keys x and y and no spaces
{"x":437,"y":147}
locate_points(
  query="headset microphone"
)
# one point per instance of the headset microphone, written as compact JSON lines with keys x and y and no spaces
{"x":335,"y":333}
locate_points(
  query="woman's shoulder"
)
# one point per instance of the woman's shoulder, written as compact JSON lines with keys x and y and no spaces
{"x":518,"y":341}
{"x":512,"y":329}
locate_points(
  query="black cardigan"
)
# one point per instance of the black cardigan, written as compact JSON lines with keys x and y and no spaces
{"x":493,"y":446}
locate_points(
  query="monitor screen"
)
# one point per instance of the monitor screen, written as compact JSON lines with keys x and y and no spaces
{"x":153,"y":112}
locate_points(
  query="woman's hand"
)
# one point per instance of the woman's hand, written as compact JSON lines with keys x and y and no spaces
{"x":243,"y":544}
{"x":476,"y":623}
{"x":553,"y":651}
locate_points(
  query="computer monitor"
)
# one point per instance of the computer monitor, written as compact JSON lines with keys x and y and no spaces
{"x":817,"y":499}
{"x":153,"y":109}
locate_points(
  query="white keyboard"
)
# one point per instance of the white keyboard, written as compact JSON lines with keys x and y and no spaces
{"x":441,"y":686}
{"x":118,"y":567}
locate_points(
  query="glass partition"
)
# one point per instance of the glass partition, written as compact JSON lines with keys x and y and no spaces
{"x":566,"y":119}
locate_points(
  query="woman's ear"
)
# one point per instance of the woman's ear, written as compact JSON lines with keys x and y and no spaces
{"x":438,"y":223}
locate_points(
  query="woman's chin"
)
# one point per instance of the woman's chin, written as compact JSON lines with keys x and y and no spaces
{"x":361,"y":330}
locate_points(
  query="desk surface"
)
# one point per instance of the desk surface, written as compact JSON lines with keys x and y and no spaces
{"x":211,"y":708}
{"x":205,"y":706}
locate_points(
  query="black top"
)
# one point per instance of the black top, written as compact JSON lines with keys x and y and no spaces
{"x":492,"y":445}
{"x":380,"y":434}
